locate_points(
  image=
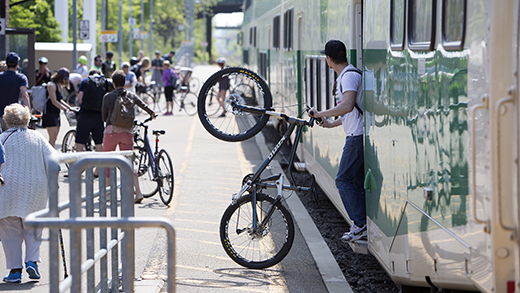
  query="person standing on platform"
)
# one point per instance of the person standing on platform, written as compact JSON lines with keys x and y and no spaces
{"x":350,"y":177}
{"x":51,"y":117}
{"x":121,"y":135}
{"x":82,"y":68}
{"x":108,"y":66}
{"x":90,"y":123}
{"x":98,"y":62}
{"x":157,"y":73}
{"x":223,"y":84}
{"x":27,"y":156}
{"x":131,"y":80}
{"x":43,"y":74}
{"x":13,"y":84}
{"x":169,"y":57}
{"x":169,"y":80}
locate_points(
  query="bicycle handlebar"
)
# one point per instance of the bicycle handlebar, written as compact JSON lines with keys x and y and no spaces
{"x":281,"y":116}
{"x":137,"y":122}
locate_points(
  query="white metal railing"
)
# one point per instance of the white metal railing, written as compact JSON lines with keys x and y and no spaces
{"x":123,"y":219}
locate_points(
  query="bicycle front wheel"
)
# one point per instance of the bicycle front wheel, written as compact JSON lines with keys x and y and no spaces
{"x":69,"y":144}
{"x":263,"y":246}
{"x":149,"y":100}
{"x":190,"y":103}
{"x":144,"y":170}
{"x":233,"y":124}
{"x":166,"y":177}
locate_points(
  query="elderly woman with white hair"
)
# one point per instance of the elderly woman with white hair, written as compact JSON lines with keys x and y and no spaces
{"x":27,"y":155}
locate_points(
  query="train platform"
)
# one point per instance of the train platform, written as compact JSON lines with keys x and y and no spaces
{"x":207,"y":172}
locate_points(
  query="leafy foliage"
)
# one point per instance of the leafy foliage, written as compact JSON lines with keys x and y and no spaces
{"x":39,"y":15}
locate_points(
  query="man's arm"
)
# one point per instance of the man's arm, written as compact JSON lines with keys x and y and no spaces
{"x":25,"y":96}
{"x":346,"y":106}
{"x":80,"y":97}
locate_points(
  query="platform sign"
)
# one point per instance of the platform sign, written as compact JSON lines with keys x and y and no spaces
{"x":84,"y":30}
{"x":108,"y":36}
{"x":139,"y":35}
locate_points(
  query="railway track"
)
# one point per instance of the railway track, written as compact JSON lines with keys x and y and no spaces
{"x":362,"y":271}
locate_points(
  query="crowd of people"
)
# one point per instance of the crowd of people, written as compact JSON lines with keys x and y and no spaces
{"x":25,"y":153}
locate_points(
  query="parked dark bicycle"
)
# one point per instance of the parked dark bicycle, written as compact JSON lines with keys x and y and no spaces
{"x":154,"y":168}
{"x":256,"y":230}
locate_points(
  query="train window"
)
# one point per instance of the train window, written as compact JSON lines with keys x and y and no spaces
{"x":308,"y":81}
{"x":397,"y":24}
{"x":288,"y":29}
{"x":254,"y":37}
{"x":245,"y":56}
{"x":324,"y":84}
{"x":331,"y":101}
{"x":453,"y":24}
{"x":421,"y":24}
{"x":276,"y":32}
{"x":315,"y":81}
{"x":263,"y":64}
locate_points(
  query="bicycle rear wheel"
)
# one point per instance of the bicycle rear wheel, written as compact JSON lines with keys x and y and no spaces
{"x":190,"y":103}
{"x":143,"y":169}
{"x":233,"y":124}
{"x":166,"y":177}
{"x":264,"y":246}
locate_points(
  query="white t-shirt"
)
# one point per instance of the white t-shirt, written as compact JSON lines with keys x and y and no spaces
{"x":351,"y":81}
{"x":130,"y":79}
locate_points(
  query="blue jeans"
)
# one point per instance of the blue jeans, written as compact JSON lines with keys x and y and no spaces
{"x":350,"y":180}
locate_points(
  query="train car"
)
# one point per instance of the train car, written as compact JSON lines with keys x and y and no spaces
{"x":441,"y":125}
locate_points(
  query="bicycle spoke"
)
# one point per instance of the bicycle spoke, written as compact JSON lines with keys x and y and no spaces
{"x":259,"y":247}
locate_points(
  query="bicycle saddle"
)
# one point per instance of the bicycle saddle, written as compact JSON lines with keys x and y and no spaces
{"x":158,"y":132}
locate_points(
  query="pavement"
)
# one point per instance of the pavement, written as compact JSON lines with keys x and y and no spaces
{"x":207,"y":172}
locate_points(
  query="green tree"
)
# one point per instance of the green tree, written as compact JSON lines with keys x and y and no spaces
{"x":39,"y":15}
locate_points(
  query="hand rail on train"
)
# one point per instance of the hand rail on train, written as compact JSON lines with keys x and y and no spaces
{"x":49,"y":218}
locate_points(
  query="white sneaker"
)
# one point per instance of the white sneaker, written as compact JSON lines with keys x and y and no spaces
{"x":355,"y":233}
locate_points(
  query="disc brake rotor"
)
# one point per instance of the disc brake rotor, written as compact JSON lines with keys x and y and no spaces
{"x":228,"y":103}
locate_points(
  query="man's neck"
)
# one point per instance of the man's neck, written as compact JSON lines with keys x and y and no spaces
{"x":338,"y":68}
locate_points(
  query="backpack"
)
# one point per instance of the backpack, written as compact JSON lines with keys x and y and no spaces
{"x":93,"y":92}
{"x":136,"y":69}
{"x":40,"y":97}
{"x":173,"y":78}
{"x":123,"y":114}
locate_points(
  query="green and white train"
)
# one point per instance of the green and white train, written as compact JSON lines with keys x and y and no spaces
{"x":442,"y":125}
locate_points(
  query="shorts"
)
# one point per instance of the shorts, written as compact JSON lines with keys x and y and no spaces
{"x":51,"y":119}
{"x":125,"y":141}
{"x":90,"y":122}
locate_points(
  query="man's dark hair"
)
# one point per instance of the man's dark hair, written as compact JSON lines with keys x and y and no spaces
{"x":98,"y":57}
{"x":94,"y":71}
{"x":118,"y":78}
{"x":339,"y":60}
{"x":172,"y":52}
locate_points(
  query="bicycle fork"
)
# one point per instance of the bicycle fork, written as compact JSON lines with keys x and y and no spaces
{"x":279,"y":187}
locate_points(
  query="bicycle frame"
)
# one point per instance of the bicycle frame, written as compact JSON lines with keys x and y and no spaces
{"x":151,"y":155}
{"x":256,"y":182}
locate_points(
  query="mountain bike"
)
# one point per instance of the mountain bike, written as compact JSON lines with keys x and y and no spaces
{"x":256,"y":230}
{"x":154,"y":168}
